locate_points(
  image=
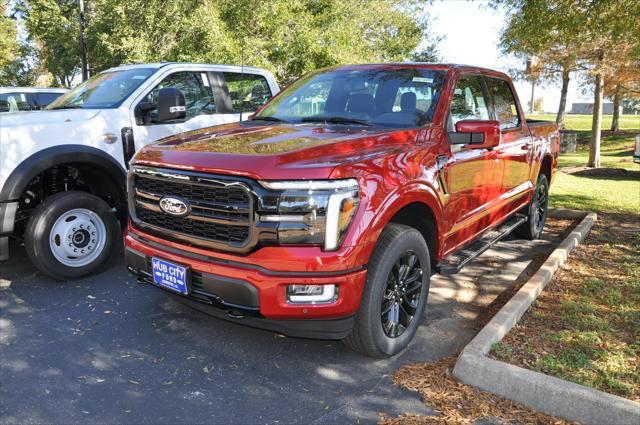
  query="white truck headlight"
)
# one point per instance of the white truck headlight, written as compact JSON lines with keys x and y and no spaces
{"x":315,"y":212}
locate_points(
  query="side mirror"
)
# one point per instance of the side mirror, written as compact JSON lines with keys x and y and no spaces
{"x":171,"y":104}
{"x":475,"y":134}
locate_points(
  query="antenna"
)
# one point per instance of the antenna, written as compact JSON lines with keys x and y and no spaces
{"x":242,"y":76}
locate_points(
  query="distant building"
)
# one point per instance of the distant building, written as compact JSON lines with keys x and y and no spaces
{"x":587,"y":108}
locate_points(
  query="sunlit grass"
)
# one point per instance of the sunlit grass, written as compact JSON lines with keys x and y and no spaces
{"x":583,"y":122}
{"x":604,"y":194}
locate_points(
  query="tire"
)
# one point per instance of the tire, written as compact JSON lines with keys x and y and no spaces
{"x":536,"y":211}
{"x":372,"y":334}
{"x":70,"y":221}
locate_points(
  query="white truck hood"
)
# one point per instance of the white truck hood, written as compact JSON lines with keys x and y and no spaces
{"x":12,"y":119}
{"x":22,"y":134}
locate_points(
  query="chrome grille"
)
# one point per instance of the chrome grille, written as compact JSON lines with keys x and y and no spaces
{"x":220,"y":209}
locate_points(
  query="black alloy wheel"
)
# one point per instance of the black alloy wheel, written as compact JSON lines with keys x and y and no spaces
{"x":402,"y":295}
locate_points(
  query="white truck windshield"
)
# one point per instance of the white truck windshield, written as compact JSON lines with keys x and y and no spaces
{"x":104,"y":90}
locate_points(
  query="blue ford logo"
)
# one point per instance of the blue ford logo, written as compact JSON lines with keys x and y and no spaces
{"x":175,"y":206}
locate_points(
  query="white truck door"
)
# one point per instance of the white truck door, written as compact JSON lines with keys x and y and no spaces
{"x":202,"y":107}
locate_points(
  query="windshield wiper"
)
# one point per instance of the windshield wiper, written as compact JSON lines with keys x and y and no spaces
{"x":267,"y":118}
{"x":66,"y":107}
{"x":336,"y":120}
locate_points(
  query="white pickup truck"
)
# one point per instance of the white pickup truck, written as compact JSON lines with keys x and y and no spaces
{"x":63,"y":169}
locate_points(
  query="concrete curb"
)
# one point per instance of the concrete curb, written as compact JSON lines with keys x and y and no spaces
{"x":539,"y":391}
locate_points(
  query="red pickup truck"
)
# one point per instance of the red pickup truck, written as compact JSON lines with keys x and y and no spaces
{"x":326,"y":213}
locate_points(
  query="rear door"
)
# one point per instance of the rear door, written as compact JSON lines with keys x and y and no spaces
{"x":515,"y":147}
{"x":473,"y":177}
{"x":241,"y":94}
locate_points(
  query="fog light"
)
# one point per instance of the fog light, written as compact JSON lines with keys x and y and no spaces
{"x":311,"y":293}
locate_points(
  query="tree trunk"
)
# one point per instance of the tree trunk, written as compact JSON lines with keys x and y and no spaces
{"x":596,"y":126}
{"x":533,"y":89}
{"x":563,"y":96}
{"x":615,"y":121}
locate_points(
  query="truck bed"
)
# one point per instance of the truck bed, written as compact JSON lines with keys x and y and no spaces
{"x":547,"y":130}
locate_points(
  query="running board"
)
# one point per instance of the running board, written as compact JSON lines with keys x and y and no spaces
{"x":456,"y":261}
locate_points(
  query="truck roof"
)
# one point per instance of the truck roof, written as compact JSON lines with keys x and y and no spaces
{"x":213,"y":67}
{"x":429,"y":65}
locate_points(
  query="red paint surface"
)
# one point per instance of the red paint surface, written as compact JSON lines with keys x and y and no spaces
{"x":395,"y":168}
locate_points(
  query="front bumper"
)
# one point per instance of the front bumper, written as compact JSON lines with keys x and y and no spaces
{"x":255,"y":296}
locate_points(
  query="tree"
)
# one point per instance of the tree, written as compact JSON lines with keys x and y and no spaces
{"x":597,"y":36}
{"x":9,"y":45}
{"x":624,"y":83}
{"x":543,"y":30}
{"x":288,"y":37}
{"x":538,"y":105}
{"x":53,"y":27}
{"x":610,"y":42}
{"x":18,"y":65}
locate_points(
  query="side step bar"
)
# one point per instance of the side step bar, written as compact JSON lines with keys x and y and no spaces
{"x":456,"y":261}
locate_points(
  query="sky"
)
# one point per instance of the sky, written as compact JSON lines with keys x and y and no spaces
{"x":471,"y":32}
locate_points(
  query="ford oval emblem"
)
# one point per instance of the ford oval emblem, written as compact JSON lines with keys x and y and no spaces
{"x":175,"y":206}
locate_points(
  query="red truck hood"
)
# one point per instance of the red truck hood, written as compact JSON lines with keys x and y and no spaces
{"x":278,"y":151}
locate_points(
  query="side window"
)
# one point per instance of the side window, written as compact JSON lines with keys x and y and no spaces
{"x":248,"y":92}
{"x":504,"y":103}
{"x":13,"y":102}
{"x":468,"y":102}
{"x":196,"y":89}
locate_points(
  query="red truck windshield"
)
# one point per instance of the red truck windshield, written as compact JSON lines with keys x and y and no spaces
{"x":390,"y":98}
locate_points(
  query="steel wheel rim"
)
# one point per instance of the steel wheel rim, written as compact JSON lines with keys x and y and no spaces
{"x":541,"y":207}
{"x":402,"y":295}
{"x":77,"y":237}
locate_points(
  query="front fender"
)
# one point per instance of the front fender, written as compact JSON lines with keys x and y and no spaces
{"x":28,"y":169}
{"x":378,"y":211}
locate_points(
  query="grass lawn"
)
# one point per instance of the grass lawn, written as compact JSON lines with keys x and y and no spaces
{"x":585,"y":326}
{"x":583,"y":122}
{"x":612,"y":192}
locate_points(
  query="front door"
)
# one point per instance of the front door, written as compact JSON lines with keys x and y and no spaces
{"x":473,"y":177}
{"x":201,"y":108}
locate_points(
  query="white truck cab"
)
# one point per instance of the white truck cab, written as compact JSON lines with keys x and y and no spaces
{"x":63,"y":169}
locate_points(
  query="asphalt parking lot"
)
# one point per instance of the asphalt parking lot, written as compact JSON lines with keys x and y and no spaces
{"x":105,"y":349}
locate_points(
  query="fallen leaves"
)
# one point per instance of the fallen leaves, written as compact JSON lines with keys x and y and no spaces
{"x":455,"y":402}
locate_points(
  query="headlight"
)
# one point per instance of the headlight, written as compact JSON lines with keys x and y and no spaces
{"x":313,"y":211}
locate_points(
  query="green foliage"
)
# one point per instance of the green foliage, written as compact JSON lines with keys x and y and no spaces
{"x":9,"y":46}
{"x":287,"y":37}
{"x":53,"y":28}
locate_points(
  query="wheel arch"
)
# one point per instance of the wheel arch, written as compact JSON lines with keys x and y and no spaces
{"x":546,"y":166}
{"x":417,"y":206}
{"x":42,"y":160}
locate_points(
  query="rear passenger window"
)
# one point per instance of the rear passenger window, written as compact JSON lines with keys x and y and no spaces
{"x":248,"y":92}
{"x":468,"y":101}
{"x":504,"y":103}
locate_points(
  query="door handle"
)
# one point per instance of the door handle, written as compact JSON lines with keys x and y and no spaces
{"x":526,"y":146}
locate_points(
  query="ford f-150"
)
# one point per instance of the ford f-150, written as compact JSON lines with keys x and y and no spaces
{"x":326,"y":213}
